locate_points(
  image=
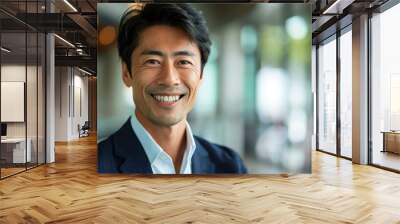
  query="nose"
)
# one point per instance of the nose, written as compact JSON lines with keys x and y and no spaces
{"x":169,"y":75}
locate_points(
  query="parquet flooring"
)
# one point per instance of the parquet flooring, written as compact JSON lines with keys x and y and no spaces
{"x":387,"y":159}
{"x":9,"y":171}
{"x":70,"y":191}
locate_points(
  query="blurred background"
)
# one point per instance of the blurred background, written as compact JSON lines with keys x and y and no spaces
{"x":256,"y":97}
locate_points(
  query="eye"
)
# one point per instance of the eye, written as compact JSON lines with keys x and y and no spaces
{"x":184,"y":62}
{"x":152,"y":62}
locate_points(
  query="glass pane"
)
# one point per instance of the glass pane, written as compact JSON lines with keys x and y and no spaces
{"x":13,"y":87}
{"x":346,"y":94}
{"x":41,"y":98}
{"x":31,"y":97}
{"x":386,"y":89}
{"x":327,"y":97}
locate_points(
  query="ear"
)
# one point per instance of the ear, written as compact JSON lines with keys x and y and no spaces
{"x":126,"y":75}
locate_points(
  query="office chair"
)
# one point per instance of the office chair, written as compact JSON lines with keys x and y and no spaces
{"x":84,"y":130}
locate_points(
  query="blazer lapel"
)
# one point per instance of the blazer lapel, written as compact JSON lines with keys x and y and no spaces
{"x":129,"y":148}
{"x":201,"y":163}
{"x":134,"y":160}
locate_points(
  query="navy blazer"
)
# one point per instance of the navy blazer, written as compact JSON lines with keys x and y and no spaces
{"x":122,"y":152}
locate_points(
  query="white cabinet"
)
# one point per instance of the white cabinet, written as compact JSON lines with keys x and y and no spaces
{"x":19,"y":155}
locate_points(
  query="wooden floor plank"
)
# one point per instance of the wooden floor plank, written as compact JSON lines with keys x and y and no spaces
{"x":70,"y":191}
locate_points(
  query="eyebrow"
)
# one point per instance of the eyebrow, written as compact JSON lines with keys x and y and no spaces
{"x":160,"y":53}
{"x":183,"y":53}
{"x":152,"y":52}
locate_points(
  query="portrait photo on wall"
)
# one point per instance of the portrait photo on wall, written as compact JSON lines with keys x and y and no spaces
{"x":204,"y":88}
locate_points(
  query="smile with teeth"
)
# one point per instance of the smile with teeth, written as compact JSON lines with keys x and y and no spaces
{"x":167,"y":99}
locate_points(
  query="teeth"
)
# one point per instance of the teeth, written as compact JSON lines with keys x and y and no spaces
{"x":168,"y":99}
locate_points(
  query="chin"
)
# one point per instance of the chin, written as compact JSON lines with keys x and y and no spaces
{"x":166,"y":120}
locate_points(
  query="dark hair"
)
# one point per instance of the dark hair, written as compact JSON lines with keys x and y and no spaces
{"x":182,"y":16}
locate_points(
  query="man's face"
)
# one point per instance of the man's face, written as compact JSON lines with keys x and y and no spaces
{"x":166,"y":74}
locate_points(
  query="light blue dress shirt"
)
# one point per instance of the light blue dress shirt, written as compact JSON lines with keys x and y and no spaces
{"x":160,"y":161}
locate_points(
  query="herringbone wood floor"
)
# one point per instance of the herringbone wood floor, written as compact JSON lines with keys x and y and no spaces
{"x":70,"y":191}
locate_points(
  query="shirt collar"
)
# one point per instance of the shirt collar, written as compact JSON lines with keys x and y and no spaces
{"x":154,"y":151}
{"x":189,"y":151}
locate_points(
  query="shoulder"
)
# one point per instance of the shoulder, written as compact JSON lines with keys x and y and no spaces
{"x":106,"y":156}
{"x":223,"y":158}
{"x":108,"y":159}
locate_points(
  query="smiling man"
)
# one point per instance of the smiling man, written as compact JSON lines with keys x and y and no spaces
{"x":164,"y":48}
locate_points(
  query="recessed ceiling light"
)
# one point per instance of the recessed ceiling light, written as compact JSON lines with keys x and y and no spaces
{"x":84,"y":71}
{"x":71,"y":6}
{"x":64,"y":40}
{"x":5,"y":50}
{"x":337,"y":7}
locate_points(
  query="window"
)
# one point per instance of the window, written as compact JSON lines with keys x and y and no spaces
{"x":327,"y":96}
{"x":385,"y":88}
{"x":22,"y":80}
{"x":346,"y":94}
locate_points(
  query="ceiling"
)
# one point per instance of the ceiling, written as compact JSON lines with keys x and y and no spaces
{"x":76,"y":22}
{"x":330,"y":15}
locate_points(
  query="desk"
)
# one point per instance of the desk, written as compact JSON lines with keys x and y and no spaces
{"x":15,"y":148}
{"x":391,"y":141}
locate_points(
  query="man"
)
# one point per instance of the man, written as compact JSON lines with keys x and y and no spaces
{"x":163,"y":48}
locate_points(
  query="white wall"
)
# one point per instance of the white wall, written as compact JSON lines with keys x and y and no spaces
{"x":61,"y":103}
{"x":71,"y":87}
{"x":79,"y":117}
{"x":16,"y":73}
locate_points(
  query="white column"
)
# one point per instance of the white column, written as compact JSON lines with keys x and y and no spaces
{"x":314,"y":98}
{"x":360,"y":90}
{"x":50,"y":92}
{"x":50,"y":110}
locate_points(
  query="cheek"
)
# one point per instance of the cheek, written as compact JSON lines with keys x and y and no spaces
{"x":138,"y":92}
{"x":192,"y":80}
{"x":142,"y":79}
{"x":193,"y":84}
